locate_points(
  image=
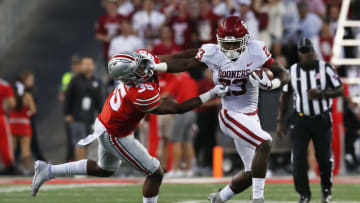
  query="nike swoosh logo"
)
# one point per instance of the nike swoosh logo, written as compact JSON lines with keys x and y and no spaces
{"x":247,"y":65}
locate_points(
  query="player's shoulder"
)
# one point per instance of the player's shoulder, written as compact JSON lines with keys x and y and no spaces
{"x":144,"y":95}
{"x":255,"y":47}
{"x":209,"y":49}
{"x":209,"y":54}
{"x":144,"y":90}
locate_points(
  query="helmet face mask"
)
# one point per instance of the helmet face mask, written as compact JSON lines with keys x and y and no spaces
{"x":131,"y":68}
{"x":233,"y":48}
{"x":232,"y":37}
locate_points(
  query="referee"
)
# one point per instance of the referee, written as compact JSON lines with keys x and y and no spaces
{"x":313,"y":83}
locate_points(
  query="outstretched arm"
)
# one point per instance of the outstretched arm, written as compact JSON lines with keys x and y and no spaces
{"x":179,"y":62}
{"x":170,"y":106}
{"x":280,"y":72}
{"x":180,"y":55}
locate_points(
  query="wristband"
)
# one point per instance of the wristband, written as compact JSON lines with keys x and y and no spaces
{"x":205,"y":97}
{"x":161,"y":67}
{"x":275,"y":83}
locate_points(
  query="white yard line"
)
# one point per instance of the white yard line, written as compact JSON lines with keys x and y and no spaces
{"x":56,"y":187}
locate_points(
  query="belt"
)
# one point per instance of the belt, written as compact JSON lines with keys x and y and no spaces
{"x":300,"y":114}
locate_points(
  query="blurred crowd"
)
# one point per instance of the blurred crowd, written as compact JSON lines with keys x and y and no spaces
{"x":185,"y":142}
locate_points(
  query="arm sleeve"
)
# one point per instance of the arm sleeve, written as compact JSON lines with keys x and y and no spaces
{"x":332,"y":77}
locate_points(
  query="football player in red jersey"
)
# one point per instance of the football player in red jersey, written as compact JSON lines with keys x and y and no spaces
{"x":136,"y":95}
{"x":233,"y":61}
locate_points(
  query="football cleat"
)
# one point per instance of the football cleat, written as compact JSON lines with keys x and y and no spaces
{"x":326,"y":199}
{"x":42,"y":174}
{"x":304,"y":199}
{"x":260,"y":200}
{"x":215,"y":198}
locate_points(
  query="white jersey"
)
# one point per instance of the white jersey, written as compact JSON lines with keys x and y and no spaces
{"x":243,"y":95}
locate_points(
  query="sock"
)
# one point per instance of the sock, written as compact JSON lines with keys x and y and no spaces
{"x":258,"y":185}
{"x":69,"y":169}
{"x":150,"y":199}
{"x":226,"y":193}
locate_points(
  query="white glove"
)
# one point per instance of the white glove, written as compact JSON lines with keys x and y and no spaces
{"x":219,"y":91}
{"x":264,"y":83}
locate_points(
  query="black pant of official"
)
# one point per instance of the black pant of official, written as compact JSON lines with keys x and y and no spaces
{"x":302,"y":130}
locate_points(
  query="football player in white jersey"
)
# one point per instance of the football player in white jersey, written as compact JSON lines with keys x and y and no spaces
{"x":232,"y":62}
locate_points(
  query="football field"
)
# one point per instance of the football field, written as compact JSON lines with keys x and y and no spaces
{"x":172,"y":191}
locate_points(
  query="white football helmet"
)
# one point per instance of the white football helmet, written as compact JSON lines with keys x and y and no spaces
{"x":130,"y":67}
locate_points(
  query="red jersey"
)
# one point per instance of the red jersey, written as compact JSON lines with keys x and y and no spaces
{"x":5,"y":92}
{"x":183,"y":87}
{"x":126,"y":106}
{"x":109,"y":26}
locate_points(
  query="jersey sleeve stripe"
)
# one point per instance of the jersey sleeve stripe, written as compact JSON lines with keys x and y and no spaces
{"x":146,"y":100}
{"x":147,"y":104}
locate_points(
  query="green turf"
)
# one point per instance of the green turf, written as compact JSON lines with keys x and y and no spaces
{"x":169,"y":193}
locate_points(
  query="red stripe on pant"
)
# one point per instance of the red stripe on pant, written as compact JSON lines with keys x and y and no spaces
{"x":129,"y":158}
{"x":236,"y":132}
{"x":5,"y":149}
{"x":243,"y":127}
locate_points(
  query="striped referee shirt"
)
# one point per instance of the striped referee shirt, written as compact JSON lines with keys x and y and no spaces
{"x":321,"y":76}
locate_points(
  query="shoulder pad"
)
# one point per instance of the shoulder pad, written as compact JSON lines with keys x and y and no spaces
{"x":255,"y":47}
{"x":210,"y":49}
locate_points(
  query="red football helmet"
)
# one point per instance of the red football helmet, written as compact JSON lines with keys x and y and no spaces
{"x":232,"y":36}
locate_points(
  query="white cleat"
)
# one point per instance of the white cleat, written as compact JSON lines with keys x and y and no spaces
{"x":41,"y":175}
{"x":215,"y":198}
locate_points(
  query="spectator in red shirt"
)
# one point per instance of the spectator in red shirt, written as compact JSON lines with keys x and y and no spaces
{"x":166,"y":45}
{"x":183,"y":26}
{"x":7,"y":103}
{"x":207,"y":23}
{"x":108,"y":26}
{"x":183,"y":88}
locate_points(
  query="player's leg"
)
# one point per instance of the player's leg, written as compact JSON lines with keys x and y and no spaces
{"x":253,"y":146}
{"x":131,"y":150}
{"x":105,"y":167}
{"x":6,"y":152}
